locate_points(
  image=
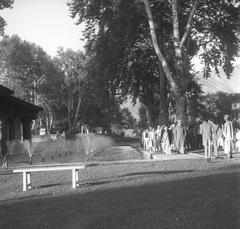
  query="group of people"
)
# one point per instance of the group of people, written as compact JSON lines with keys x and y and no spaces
{"x":165,"y":139}
{"x":214,"y":136}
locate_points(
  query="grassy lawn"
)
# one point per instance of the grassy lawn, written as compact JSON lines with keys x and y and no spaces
{"x":67,"y":151}
{"x":171,"y":194}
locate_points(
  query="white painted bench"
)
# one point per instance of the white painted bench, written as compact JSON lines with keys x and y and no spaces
{"x":26,"y":171}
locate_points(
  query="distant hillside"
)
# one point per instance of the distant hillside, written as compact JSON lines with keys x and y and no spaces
{"x":216,"y":83}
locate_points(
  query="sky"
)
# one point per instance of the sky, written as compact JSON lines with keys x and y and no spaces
{"x":44,"y":22}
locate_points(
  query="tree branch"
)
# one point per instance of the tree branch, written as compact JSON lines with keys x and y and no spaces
{"x":189,"y":23}
{"x":157,"y":49}
{"x":176,"y":41}
{"x":156,"y":1}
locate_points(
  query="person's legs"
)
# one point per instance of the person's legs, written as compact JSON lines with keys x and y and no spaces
{"x":154,"y":145}
{"x":159,"y":145}
{"x":215,"y":148}
{"x":209,"y":149}
{"x":231,"y":148}
{"x":182,"y":150}
{"x":205,"y":148}
{"x":5,"y":162}
{"x":178,"y":145}
{"x":227,"y":147}
{"x":168,"y":148}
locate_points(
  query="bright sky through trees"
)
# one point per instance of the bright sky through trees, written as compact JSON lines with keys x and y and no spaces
{"x":44,"y":22}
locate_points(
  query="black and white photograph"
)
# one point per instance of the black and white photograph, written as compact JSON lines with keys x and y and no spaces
{"x":119,"y":114}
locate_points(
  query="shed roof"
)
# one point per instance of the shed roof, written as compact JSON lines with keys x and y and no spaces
{"x":8,"y":95}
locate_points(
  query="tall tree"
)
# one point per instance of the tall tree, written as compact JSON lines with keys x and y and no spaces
{"x":184,"y":33}
{"x":24,"y":66}
{"x":178,"y":30}
{"x":72,"y":66}
{"x":28,"y":70}
{"x":124,"y":56}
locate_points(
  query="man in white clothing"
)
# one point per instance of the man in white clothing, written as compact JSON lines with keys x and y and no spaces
{"x":228,"y":136}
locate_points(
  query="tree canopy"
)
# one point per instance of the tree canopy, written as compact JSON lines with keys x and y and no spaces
{"x":118,"y":33}
{"x":220,"y":103}
{"x":24,"y":67}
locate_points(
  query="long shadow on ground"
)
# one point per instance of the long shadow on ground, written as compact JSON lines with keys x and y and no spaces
{"x":130,"y":176}
{"x":203,"y":202}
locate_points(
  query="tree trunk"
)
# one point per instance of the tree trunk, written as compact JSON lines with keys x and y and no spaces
{"x":149,"y":120}
{"x":47,"y":126}
{"x":160,"y":56}
{"x":178,"y":82}
{"x":69,"y":111}
{"x":176,"y":39}
{"x":49,"y":122}
{"x":163,"y":104}
{"x":180,"y":99}
{"x":77,"y":111}
{"x":181,"y":107}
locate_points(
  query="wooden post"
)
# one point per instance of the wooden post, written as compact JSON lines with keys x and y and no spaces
{"x":29,"y":185}
{"x":77,"y":183}
{"x":74,"y":178}
{"x":24,"y":181}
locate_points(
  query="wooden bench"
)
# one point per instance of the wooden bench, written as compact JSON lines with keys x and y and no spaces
{"x":26,"y":171}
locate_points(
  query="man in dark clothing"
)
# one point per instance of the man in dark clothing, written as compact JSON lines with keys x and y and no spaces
{"x":3,"y":146}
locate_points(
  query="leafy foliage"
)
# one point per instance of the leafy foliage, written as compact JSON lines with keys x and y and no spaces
{"x":4,"y":4}
{"x":117,"y":34}
{"x":28,"y":70}
{"x":219,"y":104}
{"x":216,"y":33}
{"x":128,"y":121}
{"x":24,"y":66}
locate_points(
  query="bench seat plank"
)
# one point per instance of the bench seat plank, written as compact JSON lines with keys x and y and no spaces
{"x":47,"y":168}
{"x":26,"y":171}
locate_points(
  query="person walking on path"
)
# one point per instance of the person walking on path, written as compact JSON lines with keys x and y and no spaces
{"x":145,"y":139}
{"x":87,"y":142}
{"x":237,"y":144}
{"x":3,"y":146}
{"x":180,"y":135}
{"x":166,"y":146}
{"x":151,"y":136}
{"x":206,"y":132}
{"x":158,"y":135}
{"x":220,"y":142}
{"x":214,"y":137}
{"x":172,"y":137}
{"x":228,"y":136}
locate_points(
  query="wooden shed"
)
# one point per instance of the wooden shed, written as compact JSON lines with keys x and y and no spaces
{"x":16,"y":115}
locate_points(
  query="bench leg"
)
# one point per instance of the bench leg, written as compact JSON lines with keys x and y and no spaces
{"x":77,"y":183}
{"x":75,"y":178}
{"x":29,"y":184}
{"x":26,"y":181}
